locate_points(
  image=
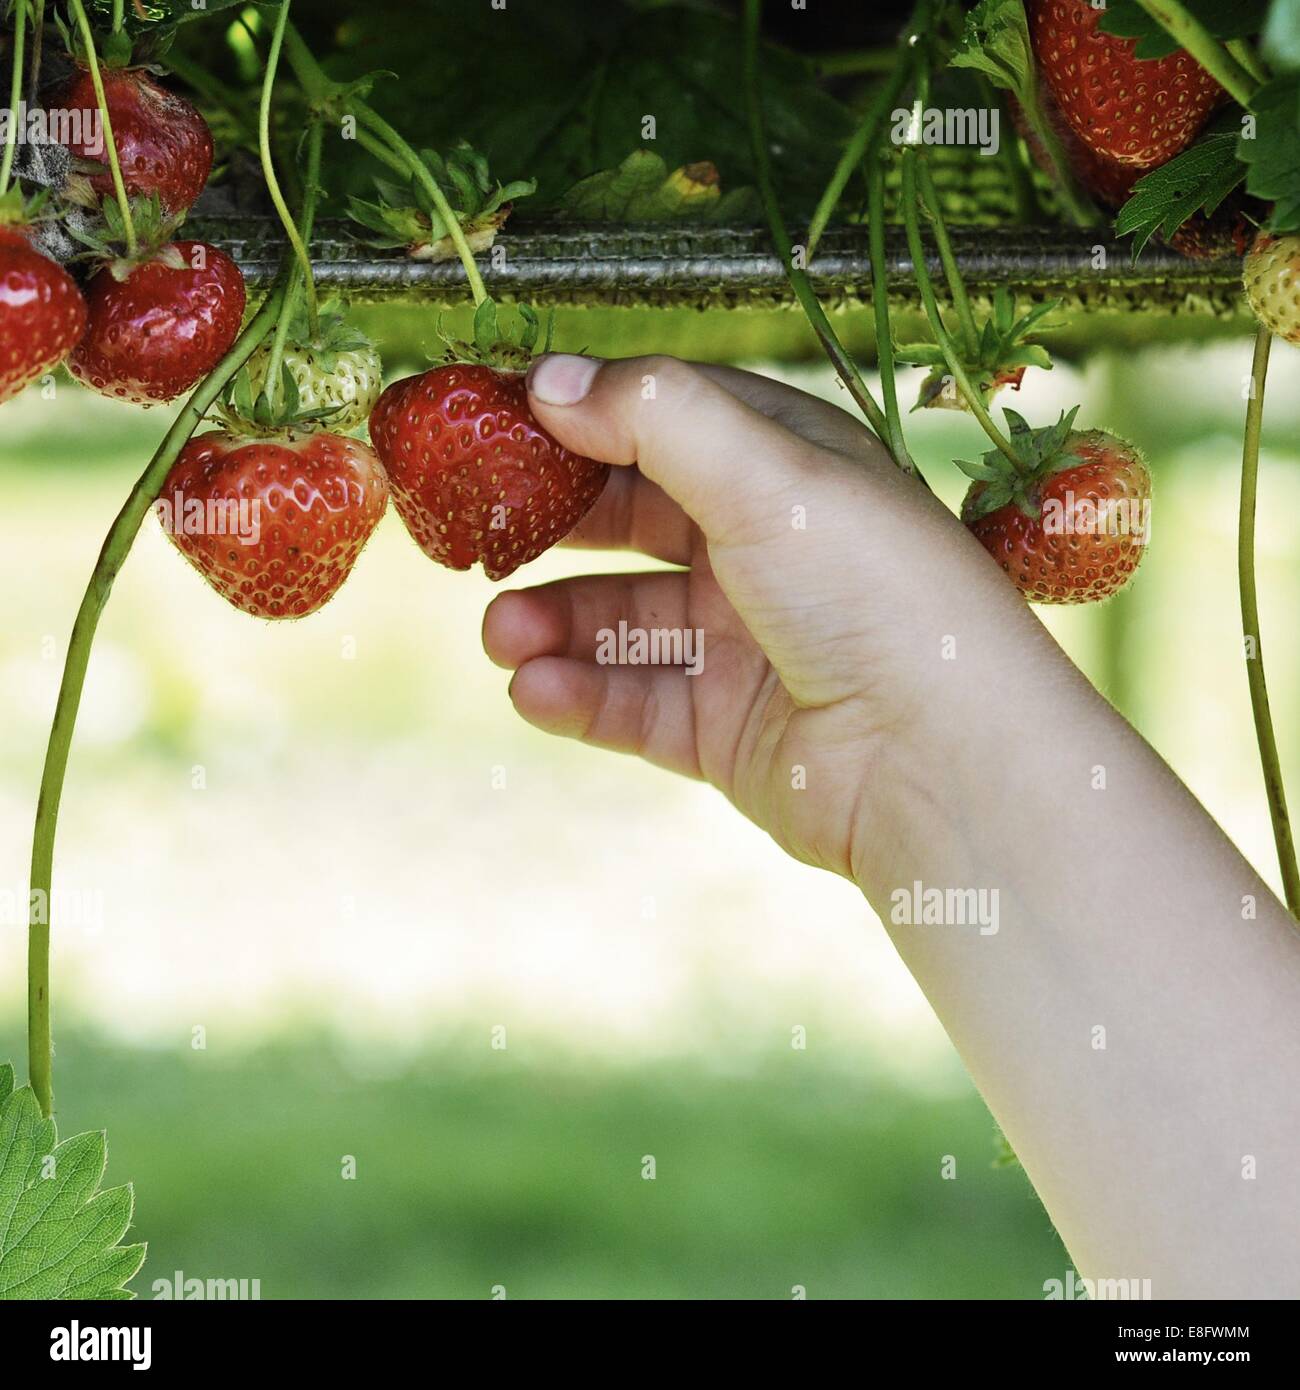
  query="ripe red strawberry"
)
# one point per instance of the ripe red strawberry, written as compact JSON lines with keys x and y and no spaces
{"x":274,"y":525}
{"x":1073,"y":526}
{"x":1135,"y":111}
{"x":163,"y":144}
{"x":474,"y":476}
{"x":42,"y":313}
{"x":159,"y":326}
{"x":1271,"y":276}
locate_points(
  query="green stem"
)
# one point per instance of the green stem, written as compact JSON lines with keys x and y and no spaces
{"x":1082,"y":211}
{"x":799,"y":281}
{"x":419,"y":170}
{"x":97,"y":81}
{"x":1244,"y":52}
{"x":956,"y":286}
{"x":117,"y":546}
{"x":380,"y":151}
{"x":880,"y":302}
{"x":38,"y":33}
{"x":864,"y":138}
{"x":268,"y":166}
{"x":1189,"y":33}
{"x":916,"y":247}
{"x":397,"y":153}
{"x":117,"y":16}
{"x":15,"y":93}
{"x":271,"y":383}
{"x":1012,"y":154}
{"x":1264,"y":735}
{"x":863,"y":62}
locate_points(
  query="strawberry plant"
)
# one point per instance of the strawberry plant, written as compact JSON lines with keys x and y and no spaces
{"x":1172,"y":122}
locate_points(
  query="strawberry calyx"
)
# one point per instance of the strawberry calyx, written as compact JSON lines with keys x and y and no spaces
{"x":1001,"y":357}
{"x":335,"y":335}
{"x":154,"y":230}
{"x":18,"y":212}
{"x":1042,"y":453}
{"x":506,"y":348}
{"x":406,"y":218}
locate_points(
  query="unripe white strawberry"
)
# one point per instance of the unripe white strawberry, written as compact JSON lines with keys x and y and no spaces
{"x":1272,"y":279}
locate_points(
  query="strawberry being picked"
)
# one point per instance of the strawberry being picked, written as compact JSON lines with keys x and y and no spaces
{"x":474,"y":476}
{"x":42,"y":312}
{"x":273,"y":524}
{"x":163,"y":144}
{"x":1071,"y":524}
{"x":159,"y":321}
{"x":1135,"y":111}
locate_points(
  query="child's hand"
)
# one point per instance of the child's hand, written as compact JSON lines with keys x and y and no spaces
{"x":1129,"y":1008}
{"x":821,"y":582}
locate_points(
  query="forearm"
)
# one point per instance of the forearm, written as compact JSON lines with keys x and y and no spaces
{"x":1133,"y":1021}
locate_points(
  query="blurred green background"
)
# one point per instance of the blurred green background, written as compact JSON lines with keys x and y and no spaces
{"x":314,"y":870}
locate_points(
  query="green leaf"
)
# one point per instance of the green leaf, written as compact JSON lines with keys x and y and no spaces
{"x":1197,"y":180}
{"x":1273,"y":152}
{"x":1280,"y":41}
{"x":1127,"y":19}
{"x":569,"y":85}
{"x":996,"y":42}
{"x":59,"y":1235}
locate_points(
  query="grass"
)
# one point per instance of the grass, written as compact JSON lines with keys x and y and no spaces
{"x":477,"y":1173}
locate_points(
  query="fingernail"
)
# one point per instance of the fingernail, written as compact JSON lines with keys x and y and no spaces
{"x":561,"y":378}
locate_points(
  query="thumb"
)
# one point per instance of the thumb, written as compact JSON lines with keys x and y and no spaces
{"x":731,"y":469}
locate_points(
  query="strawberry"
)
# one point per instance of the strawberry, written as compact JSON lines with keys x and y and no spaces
{"x":1070,"y":525}
{"x":1134,"y":111}
{"x":163,"y":144}
{"x":157,"y":326}
{"x":42,"y":312}
{"x":1271,"y":276}
{"x":275,"y":524}
{"x":474,"y":476}
{"x":334,"y":375}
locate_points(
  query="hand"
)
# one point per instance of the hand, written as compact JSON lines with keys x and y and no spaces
{"x":822,"y":581}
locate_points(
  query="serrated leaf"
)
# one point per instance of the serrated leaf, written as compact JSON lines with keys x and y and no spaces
{"x":1197,"y":180}
{"x":995,"y":41}
{"x":59,"y":1235}
{"x":1126,"y":19}
{"x":1273,"y":151}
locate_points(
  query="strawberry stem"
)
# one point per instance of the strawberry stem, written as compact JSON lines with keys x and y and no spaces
{"x":799,"y":281}
{"x":911,"y":202}
{"x":117,"y":546}
{"x":880,"y":302}
{"x":419,"y":170}
{"x":268,"y":167}
{"x":97,"y":81}
{"x":1190,"y":34}
{"x":863,"y":140}
{"x":15,"y":93}
{"x":956,"y":286}
{"x":1264,"y":735}
{"x":311,"y":188}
